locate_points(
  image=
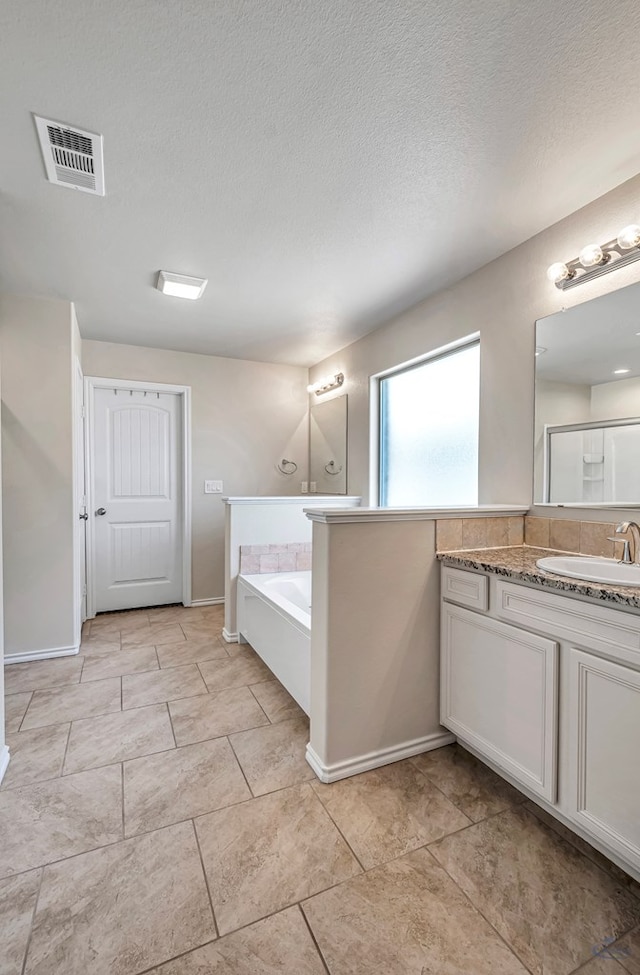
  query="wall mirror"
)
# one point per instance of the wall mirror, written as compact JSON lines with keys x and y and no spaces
{"x":587,"y":408}
{"x":328,"y":445}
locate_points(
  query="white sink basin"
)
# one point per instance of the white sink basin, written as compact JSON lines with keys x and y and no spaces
{"x":592,"y":569}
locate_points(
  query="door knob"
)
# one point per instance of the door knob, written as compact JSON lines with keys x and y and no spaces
{"x":83,"y":517}
{"x":101,"y":511}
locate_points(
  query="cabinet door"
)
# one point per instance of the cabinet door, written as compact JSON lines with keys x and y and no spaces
{"x":604,"y":775}
{"x":499,"y":694}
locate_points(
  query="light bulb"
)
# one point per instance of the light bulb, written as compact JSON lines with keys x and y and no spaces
{"x":591,"y":255}
{"x":629,"y":237}
{"x":558,"y":272}
{"x":539,"y":350}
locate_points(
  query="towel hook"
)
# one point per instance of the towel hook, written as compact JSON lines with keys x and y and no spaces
{"x":290,"y":464}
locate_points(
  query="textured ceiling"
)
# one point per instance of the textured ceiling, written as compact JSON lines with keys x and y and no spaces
{"x":325,"y":163}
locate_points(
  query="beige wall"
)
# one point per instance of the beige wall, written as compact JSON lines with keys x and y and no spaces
{"x":501,"y":300}
{"x":37,"y":475}
{"x":246,"y":416}
{"x":374,"y":642}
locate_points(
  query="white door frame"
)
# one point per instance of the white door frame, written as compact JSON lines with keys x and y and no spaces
{"x":79,"y":497}
{"x":91,"y":383}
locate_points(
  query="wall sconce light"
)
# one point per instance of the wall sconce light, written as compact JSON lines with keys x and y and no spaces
{"x":327,"y":384}
{"x":596,"y":259}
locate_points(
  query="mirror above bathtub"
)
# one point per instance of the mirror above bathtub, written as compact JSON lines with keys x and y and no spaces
{"x":587,"y":411}
{"x":328,"y":445}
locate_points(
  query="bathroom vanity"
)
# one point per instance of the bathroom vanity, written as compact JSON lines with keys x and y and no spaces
{"x":540,"y":677}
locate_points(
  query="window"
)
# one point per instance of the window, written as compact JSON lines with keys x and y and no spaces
{"x":429,"y":431}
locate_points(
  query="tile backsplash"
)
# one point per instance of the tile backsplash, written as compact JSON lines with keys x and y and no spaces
{"x":560,"y":534}
{"x":284,"y":557}
{"x":586,"y":537}
{"x":456,"y":534}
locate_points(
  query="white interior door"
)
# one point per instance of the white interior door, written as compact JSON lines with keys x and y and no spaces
{"x":137,"y":498}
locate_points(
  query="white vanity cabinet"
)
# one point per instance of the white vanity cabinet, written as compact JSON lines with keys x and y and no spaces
{"x":546,"y":688}
{"x":500,"y":694}
{"x":604,"y":751}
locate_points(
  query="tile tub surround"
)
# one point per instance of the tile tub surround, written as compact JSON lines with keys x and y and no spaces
{"x":519,"y":562}
{"x":229,"y":860}
{"x":288,"y":557}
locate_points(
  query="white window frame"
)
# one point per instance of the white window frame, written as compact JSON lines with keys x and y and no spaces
{"x":375,"y":420}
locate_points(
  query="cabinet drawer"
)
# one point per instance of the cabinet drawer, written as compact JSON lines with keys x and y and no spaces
{"x":590,"y":626}
{"x":499,"y":694}
{"x":465,"y":588}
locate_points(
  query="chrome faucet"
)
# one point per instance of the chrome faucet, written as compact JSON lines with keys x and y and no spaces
{"x":631,"y":551}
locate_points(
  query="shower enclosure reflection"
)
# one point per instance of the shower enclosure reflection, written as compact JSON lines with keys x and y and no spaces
{"x":587,"y":419}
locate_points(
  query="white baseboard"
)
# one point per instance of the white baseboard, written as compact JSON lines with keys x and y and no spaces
{"x":229,"y":637}
{"x":216,"y":601}
{"x":47,"y":654}
{"x":363,"y":763}
{"x":4,"y":760}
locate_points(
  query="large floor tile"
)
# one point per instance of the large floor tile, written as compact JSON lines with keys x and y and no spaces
{"x":151,"y":634}
{"x":35,"y":755}
{"x":275,"y":701}
{"x":97,"y":646}
{"x":115,"y":737}
{"x":199,"y":718}
{"x":122,"y":909}
{"x":272,"y":757}
{"x":175,"y":654}
{"x":205,"y":628}
{"x":406,"y":918}
{"x":36,"y":674}
{"x":180,"y":784}
{"x":266,"y":854}
{"x":389,"y":811}
{"x":589,"y":851}
{"x":601,"y":965}
{"x":245,"y":668}
{"x":17,"y":902}
{"x":547,"y":900}
{"x":280,"y":944}
{"x":69,"y":703}
{"x":59,"y":818}
{"x":116,"y":663}
{"x":627,"y":951}
{"x":15,"y":707}
{"x":162,"y":685}
{"x":472,"y":786}
{"x":175,"y":614}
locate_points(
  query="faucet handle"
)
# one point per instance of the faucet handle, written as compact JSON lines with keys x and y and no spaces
{"x":626,"y":552}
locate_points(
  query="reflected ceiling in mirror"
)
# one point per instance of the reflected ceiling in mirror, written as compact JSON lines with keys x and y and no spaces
{"x":587,"y":418}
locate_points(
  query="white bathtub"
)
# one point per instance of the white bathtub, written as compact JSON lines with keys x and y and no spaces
{"x":274,"y":616}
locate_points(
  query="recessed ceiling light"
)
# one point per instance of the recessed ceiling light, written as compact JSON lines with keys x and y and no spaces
{"x":620,"y":372}
{"x":180,"y":286}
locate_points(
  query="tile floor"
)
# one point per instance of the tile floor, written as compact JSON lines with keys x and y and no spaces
{"x":158,"y":816}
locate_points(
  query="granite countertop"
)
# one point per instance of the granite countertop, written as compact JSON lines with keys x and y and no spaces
{"x":519,"y":562}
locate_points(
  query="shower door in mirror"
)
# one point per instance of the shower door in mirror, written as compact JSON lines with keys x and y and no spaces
{"x":587,"y":410}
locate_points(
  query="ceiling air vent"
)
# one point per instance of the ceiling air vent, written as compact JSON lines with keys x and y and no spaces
{"x":72,"y":157}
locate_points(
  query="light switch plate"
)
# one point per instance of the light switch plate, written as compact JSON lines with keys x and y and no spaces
{"x":312,"y":487}
{"x":304,"y":487}
{"x":213,"y":487}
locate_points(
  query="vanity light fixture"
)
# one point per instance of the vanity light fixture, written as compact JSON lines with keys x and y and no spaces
{"x":597,"y":259}
{"x":180,"y":285}
{"x":539,"y":350}
{"x":327,"y":384}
